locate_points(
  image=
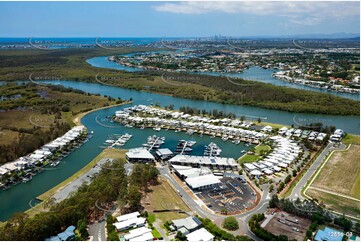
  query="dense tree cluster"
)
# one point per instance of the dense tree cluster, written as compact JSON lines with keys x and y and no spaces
{"x":230,"y":223}
{"x":30,"y":141}
{"x":220,"y":89}
{"x":219,"y":233}
{"x":109,"y":186}
{"x":254,"y":225}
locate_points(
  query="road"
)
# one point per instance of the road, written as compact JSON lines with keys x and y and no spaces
{"x":75,"y":184}
{"x":205,"y":213}
{"x":97,"y":231}
{"x":86,"y":177}
{"x":297,"y":190}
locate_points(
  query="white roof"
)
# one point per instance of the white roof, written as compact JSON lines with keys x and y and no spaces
{"x":3,"y":171}
{"x":10,"y":166}
{"x":128,"y":216}
{"x":200,"y":235}
{"x":267,"y":171}
{"x":276,"y":168}
{"x":129,"y":223}
{"x":204,"y":160}
{"x":165,"y":151}
{"x":256,"y":173}
{"x":188,"y":171}
{"x":200,"y":181}
{"x":145,"y":237}
{"x":134,"y":233}
{"x":139,"y":153}
{"x":249,"y":166}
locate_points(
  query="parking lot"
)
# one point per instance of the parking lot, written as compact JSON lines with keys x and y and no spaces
{"x":232,"y":195}
{"x":283,"y":223}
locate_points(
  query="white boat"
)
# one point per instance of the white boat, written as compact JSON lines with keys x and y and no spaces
{"x":110,"y":141}
{"x":157,"y":129}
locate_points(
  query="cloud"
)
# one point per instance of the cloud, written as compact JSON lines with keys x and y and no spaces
{"x":298,"y":12}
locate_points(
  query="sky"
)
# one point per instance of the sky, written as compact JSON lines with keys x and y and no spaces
{"x":177,"y":19}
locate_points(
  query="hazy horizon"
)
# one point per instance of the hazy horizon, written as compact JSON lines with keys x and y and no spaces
{"x":177,"y":19}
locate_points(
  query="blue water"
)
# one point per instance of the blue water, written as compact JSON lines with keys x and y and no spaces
{"x":254,"y":73}
{"x":18,"y":197}
{"x":348,"y":123}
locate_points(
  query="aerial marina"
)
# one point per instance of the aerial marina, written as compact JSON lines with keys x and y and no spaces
{"x":195,"y":121}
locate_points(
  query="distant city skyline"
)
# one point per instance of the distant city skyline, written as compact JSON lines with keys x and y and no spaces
{"x":178,"y":19}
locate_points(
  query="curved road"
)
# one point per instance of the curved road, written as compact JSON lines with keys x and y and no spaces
{"x":194,"y":206}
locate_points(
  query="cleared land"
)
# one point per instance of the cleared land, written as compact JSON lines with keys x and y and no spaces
{"x":341,"y":173}
{"x":336,"y":203}
{"x":278,"y":228}
{"x":163,"y":197}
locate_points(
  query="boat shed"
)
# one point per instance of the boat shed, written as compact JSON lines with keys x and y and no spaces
{"x":139,"y":155}
{"x":164,"y":154}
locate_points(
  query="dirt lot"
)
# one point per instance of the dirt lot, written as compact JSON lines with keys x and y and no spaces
{"x":277,"y":228}
{"x":341,"y":174}
{"x":164,"y":197}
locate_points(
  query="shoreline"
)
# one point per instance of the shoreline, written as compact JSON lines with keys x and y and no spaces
{"x":77,"y":121}
{"x":77,"y":118}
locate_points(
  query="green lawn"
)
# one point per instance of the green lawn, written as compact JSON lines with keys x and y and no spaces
{"x":256,"y":156}
{"x":249,"y":158}
{"x":351,"y":139}
{"x":151,"y":218}
{"x":260,"y":148}
{"x":156,"y":234}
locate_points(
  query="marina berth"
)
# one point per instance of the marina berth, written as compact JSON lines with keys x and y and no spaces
{"x":145,"y":116}
{"x":42,"y":156}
